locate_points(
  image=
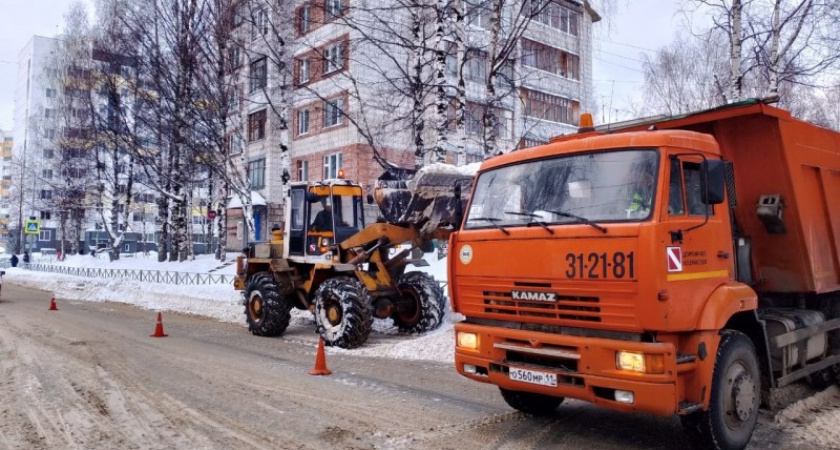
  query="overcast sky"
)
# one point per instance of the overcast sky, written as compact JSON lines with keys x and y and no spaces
{"x":632,"y":31}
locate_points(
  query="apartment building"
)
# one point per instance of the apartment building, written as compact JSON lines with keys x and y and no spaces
{"x":32,"y":146}
{"x":6,"y":170}
{"x":341,"y":104}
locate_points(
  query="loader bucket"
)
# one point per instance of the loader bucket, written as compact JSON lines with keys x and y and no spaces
{"x":426,"y":200}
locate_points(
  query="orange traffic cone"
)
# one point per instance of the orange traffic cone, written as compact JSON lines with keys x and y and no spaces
{"x":320,"y":361}
{"x":159,"y":328}
{"x":53,"y":307}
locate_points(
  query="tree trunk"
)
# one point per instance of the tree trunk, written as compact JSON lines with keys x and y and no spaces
{"x":441,"y":102}
{"x":489,"y":116}
{"x":735,"y":76}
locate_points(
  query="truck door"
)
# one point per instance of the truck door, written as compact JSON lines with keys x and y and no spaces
{"x":697,"y":254}
{"x":298,"y":221}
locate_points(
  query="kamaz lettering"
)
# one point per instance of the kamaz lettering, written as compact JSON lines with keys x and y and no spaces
{"x":534,"y":296}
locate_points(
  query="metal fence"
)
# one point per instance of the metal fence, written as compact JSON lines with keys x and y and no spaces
{"x":151,"y":276}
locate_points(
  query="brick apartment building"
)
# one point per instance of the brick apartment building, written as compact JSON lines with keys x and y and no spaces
{"x":335,"y":92}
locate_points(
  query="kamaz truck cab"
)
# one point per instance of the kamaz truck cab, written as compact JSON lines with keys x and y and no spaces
{"x":621,"y":268}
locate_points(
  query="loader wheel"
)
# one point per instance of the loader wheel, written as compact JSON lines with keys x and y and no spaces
{"x":342,"y":312}
{"x":266,"y":311}
{"x":730,"y":420}
{"x":424,"y":303}
{"x":528,"y":402}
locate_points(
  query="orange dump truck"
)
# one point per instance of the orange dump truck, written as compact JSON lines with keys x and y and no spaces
{"x":685,"y":266}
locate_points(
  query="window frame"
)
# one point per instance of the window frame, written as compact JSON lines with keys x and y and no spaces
{"x":334,"y":58}
{"x":257,"y":121}
{"x":303,"y":119}
{"x":256,"y":173}
{"x":258,"y":74}
{"x":333,"y":162}
{"x":333,"y":109}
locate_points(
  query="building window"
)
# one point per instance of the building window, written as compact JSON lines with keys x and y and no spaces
{"x":334,"y":8}
{"x":550,"y":107}
{"x":305,"y":19}
{"x":475,"y":68}
{"x":304,"y":71}
{"x":550,"y":59}
{"x":303,"y":170}
{"x":45,"y":194}
{"x":332,"y":164}
{"x":256,"y":173}
{"x":260,"y":27}
{"x":333,"y":112}
{"x":235,"y":143}
{"x":259,"y":74}
{"x":49,"y":113}
{"x":46,"y":174}
{"x":50,"y":93}
{"x":475,"y":121}
{"x":46,"y":215}
{"x":235,"y":55}
{"x":554,"y":15}
{"x":478,"y":14}
{"x":49,"y":133}
{"x":303,"y":122}
{"x":333,"y":58}
{"x":45,"y":235}
{"x":256,"y":126}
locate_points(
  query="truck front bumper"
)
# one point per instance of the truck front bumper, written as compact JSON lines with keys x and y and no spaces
{"x":585,"y":367}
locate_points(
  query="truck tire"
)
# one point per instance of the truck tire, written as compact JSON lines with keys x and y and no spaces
{"x":342,"y":312}
{"x":730,"y":420}
{"x":426,"y":303}
{"x":528,"y":402}
{"x":266,"y":311}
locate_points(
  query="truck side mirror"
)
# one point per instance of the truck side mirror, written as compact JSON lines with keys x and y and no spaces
{"x":713,"y":181}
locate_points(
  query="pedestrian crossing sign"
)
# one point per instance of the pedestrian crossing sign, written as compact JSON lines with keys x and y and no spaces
{"x":33,"y":227}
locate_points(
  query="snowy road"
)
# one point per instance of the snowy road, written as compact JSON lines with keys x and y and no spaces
{"x":89,"y":376}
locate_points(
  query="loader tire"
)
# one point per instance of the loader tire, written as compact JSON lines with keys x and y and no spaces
{"x":528,"y":402}
{"x":267,"y":312}
{"x":425,"y":306}
{"x":730,"y":420}
{"x":343,"y":314}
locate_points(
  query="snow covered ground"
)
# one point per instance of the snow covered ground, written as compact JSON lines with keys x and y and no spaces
{"x":222,"y":302}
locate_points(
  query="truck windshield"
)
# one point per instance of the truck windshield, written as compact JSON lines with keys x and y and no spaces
{"x":610,"y":186}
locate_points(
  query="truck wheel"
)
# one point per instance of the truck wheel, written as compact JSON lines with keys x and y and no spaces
{"x":267,"y":312}
{"x":730,"y":420}
{"x":527,"y":402}
{"x":425,"y":303}
{"x":342,"y":312}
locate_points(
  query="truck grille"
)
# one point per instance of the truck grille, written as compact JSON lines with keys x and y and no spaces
{"x":566,"y":303}
{"x":565,"y":307}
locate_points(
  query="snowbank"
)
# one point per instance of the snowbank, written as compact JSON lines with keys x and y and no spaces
{"x":223,"y":303}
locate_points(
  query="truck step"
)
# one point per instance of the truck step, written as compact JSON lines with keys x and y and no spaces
{"x":683,"y":358}
{"x":687,"y":407}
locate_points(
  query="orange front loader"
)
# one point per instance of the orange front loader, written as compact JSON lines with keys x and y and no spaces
{"x":688,"y":266}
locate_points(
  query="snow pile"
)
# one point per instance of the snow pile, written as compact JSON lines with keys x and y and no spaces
{"x":813,"y":420}
{"x":140,"y":261}
{"x":219,"y":302}
{"x":223,"y":303}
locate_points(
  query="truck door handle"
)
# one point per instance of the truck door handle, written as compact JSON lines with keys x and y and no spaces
{"x":723,"y":255}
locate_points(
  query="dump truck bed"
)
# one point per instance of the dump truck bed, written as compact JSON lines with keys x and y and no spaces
{"x":774,"y":153}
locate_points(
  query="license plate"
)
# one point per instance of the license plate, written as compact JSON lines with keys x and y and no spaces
{"x":533,"y":377}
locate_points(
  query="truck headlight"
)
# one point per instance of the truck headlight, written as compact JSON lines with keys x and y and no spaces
{"x":640,"y":362}
{"x":467,"y":340}
{"x":634,"y":362}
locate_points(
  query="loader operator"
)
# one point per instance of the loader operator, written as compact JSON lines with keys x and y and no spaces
{"x":324,"y":219}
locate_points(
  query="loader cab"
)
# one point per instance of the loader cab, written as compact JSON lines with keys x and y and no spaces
{"x":320,"y":215}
